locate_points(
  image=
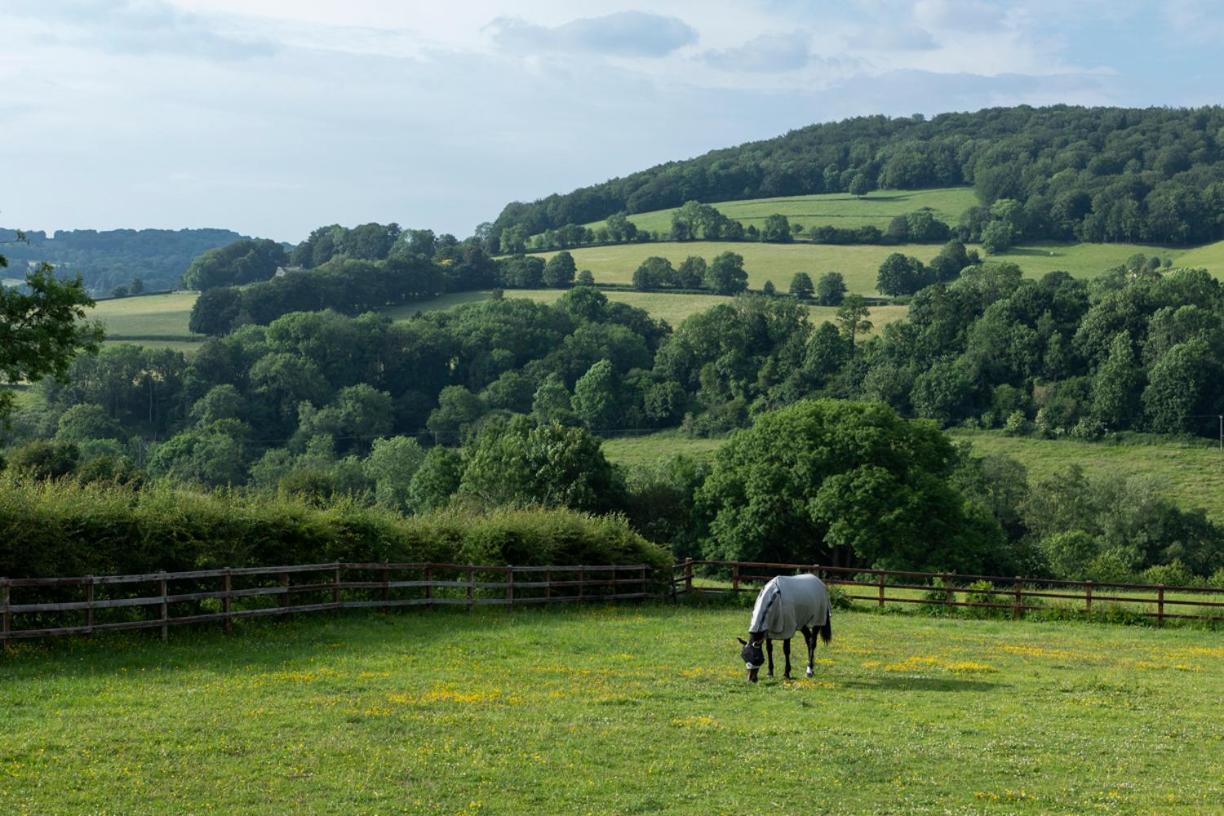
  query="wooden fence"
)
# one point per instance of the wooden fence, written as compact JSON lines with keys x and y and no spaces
{"x":1014,"y":595}
{"x":46,"y":607}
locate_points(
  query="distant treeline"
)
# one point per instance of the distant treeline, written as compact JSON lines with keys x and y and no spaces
{"x":107,"y":260}
{"x":1093,"y":174}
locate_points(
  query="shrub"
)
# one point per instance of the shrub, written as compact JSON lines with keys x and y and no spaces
{"x":1174,"y":573}
{"x":979,"y":592}
{"x":65,"y":529}
{"x":1017,"y":424}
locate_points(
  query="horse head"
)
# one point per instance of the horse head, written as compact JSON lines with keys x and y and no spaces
{"x":752,"y":654}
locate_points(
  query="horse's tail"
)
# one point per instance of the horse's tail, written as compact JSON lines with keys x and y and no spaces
{"x":826,"y":631}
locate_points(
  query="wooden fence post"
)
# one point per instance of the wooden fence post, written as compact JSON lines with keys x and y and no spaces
{"x":644,"y":583}
{"x":6,"y":616}
{"x":581,"y":582}
{"x":227,"y":600}
{"x":688,"y":575}
{"x":284,"y":595}
{"x":1087,"y":597}
{"x":165,"y":606}
{"x":1018,"y":603}
{"x":336,"y":584}
{"x":428,"y":579}
{"x":1160,"y":588}
{"x":89,"y":599}
{"x":880,"y":585}
{"x":949,"y":595}
{"x":735,"y":577}
{"x":548,"y":585}
{"x":509,"y":585}
{"x":471,"y":598}
{"x":386,"y":589}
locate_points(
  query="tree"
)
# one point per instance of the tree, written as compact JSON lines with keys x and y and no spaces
{"x":85,"y":421}
{"x":585,"y":278}
{"x":215,"y":312}
{"x":952,"y":258}
{"x":998,"y":236}
{"x":860,"y":185}
{"x":458,"y":408}
{"x":1117,"y":385}
{"x":801,"y":286}
{"x":692,"y":272}
{"x":391,"y":466}
{"x":825,"y":481}
{"x":244,"y":261}
{"x":42,"y":329}
{"x":654,"y":273}
{"x":221,"y":402}
{"x":435,"y":480}
{"x":552,"y":403}
{"x":831,"y":289}
{"x":211,"y":455}
{"x":726,"y":274}
{"x":852,"y":317}
{"x":777,"y":230}
{"x":1180,"y":385}
{"x":769,"y":290}
{"x":900,"y":275}
{"x":559,"y":271}
{"x":597,"y":396}
{"x":519,"y":463}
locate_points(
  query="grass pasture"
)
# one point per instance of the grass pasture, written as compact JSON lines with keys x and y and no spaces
{"x":876,"y":208}
{"x":155,"y":321}
{"x":614,"y":710}
{"x":1189,"y":472}
{"x":860,"y":263}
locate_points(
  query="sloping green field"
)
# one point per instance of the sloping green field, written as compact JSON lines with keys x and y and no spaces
{"x":155,"y":321}
{"x":1190,"y":473}
{"x":626,"y":710}
{"x":860,"y":263}
{"x":830,"y":209}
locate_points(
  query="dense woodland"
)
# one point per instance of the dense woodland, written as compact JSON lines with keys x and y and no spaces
{"x":111,"y":262}
{"x":1092,"y":174}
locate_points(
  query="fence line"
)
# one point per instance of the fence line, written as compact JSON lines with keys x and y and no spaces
{"x":102,"y":603}
{"x":1012,"y":594}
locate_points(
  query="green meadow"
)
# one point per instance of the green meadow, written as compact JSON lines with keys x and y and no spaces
{"x":876,"y":208}
{"x":1190,"y":472}
{"x":156,"y":321}
{"x":860,"y":263}
{"x":630,"y":709}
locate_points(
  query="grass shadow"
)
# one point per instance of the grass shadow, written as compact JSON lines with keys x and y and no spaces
{"x":904,"y":683}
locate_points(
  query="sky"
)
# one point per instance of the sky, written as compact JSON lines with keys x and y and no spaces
{"x":272,"y":117}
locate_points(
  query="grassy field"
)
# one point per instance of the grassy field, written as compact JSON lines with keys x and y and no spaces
{"x":614,"y":710}
{"x":860,"y":264}
{"x":833,"y":209}
{"x":673,"y":308}
{"x":156,"y":321}
{"x":1190,"y":473}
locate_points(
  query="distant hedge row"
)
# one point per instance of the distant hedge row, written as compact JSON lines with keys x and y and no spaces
{"x":58,"y":529}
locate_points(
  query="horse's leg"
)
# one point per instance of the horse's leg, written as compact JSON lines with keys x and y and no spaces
{"x":786,"y":654}
{"x":809,"y":637}
{"x":769,"y":651}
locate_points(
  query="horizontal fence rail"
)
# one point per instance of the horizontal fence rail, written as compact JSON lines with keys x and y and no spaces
{"x":49,"y":607}
{"x":1015,"y":594}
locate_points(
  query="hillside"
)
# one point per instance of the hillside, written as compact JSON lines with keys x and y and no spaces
{"x":107,"y":259}
{"x":861,"y":263}
{"x":1190,"y":473}
{"x":1096,"y":174}
{"x":832,"y":209}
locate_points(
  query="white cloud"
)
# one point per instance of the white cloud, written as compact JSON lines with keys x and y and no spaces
{"x":767,"y":53}
{"x":624,"y":34}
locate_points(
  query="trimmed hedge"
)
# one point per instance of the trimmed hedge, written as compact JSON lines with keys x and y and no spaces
{"x":61,"y":529}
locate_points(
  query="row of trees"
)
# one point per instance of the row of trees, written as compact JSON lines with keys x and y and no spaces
{"x":820,"y":481}
{"x":1094,"y":174}
{"x":725,"y":275}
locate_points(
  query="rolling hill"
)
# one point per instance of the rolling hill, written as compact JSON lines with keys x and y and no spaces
{"x":832,"y":209}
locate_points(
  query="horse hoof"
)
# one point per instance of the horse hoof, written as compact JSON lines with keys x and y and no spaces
{"x":809,"y":674}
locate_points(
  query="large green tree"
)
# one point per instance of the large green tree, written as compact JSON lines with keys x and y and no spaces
{"x":42,"y":327}
{"x":824,"y":480}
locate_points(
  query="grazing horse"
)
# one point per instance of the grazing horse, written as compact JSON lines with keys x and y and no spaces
{"x":785,"y":604}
